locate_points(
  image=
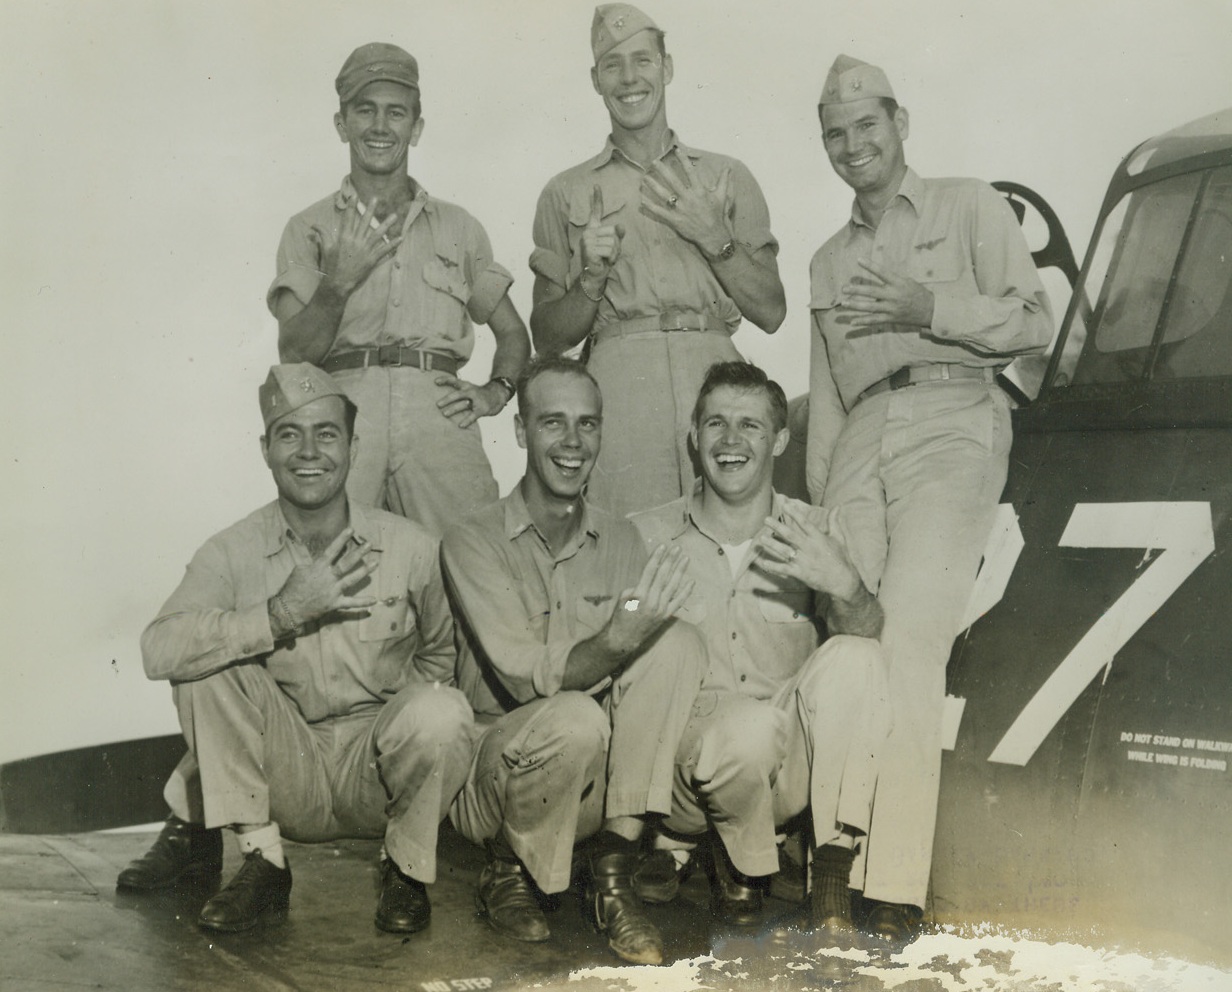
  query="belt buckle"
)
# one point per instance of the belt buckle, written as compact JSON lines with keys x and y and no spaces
{"x":389,"y":355}
{"x":900,"y":379}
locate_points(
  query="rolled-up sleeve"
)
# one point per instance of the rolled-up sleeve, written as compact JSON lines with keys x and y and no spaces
{"x":201,"y":629}
{"x":488,"y":279}
{"x":751,"y":215}
{"x":298,"y":265}
{"x":1010,"y":314}
{"x":505,"y":626}
{"x":551,"y":255}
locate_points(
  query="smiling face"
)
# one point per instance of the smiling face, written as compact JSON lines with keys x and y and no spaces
{"x":308,"y":451}
{"x":560,"y":428}
{"x":864,"y":142}
{"x":737,"y":442}
{"x":380,"y":125}
{"x":632,"y":78}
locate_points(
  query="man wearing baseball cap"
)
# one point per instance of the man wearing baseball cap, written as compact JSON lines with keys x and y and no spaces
{"x":381,"y":285}
{"x":918,"y":301}
{"x":653,"y":252}
{"x":310,"y":651}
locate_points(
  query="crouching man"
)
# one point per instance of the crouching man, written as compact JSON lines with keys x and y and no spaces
{"x":310,"y":649}
{"x":580,"y":677}
{"x":781,"y":724}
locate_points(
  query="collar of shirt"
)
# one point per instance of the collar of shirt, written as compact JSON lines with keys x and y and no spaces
{"x":421,"y":201}
{"x":688,"y":519}
{"x":518,"y":522}
{"x":911,"y":189}
{"x":277,"y":530}
{"x":611,"y":152}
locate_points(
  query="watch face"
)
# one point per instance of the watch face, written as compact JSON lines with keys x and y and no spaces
{"x":727,"y":251}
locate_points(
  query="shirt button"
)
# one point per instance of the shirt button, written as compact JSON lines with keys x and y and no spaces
{"x":397,"y":264}
{"x":391,"y":600}
{"x":397,"y":303}
{"x":744,"y":678}
{"x":393,"y":626}
{"x":558,"y":604}
{"x":733,"y":635}
{"x":720,"y":552}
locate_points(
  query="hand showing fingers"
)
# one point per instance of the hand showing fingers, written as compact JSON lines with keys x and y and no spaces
{"x":695,"y":212}
{"x":600,"y":242}
{"x":360,"y":246}
{"x":883,"y":297}
{"x":327,"y":583}
{"x":464,"y":402}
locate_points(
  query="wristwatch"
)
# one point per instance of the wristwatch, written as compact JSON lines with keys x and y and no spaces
{"x":724,"y":253}
{"x":507,"y":384}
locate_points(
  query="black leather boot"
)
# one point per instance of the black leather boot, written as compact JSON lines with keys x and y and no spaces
{"x":182,"y":850}
{"x":618,"y":911}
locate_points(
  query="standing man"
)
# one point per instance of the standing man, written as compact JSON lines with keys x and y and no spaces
{"x":651,"y":252}
{"x":781,"y":724}
{"x":579,"y":675}
{"x":379,"y":284}
{"x":917,"y":302}
{"x":310,"y":651}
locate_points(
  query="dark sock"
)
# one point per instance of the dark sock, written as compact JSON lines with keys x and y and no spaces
{"x":831,"y":878}
{"x":607,"y":842}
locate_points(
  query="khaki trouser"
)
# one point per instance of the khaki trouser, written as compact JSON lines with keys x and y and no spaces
{"x":547,"y":773}
{"x":915,"y":480}
{"x":389,"y":771}
{"x":410,"y":459}
{"x":747,"y":765}
{"x":649,"y":383}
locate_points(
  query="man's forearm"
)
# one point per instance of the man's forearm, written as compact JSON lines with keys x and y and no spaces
{"x":859,"y":615}
{"x":308,"y":335}
{"x":754,"y":287}
{"x":563,"y":323}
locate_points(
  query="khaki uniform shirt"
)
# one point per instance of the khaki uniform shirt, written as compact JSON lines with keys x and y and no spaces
{"x":219,"y":616}
{"x":760,"y":629}
{"x":960,"y":239}
{"x":657,"y":271}
{"x":426,"y":295}
{"x":524,"y":608}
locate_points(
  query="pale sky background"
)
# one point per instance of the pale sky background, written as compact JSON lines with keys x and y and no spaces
{"x":152,"y":151}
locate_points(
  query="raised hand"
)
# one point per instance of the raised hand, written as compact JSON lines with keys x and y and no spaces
{"x":349,"y":256}
{"x":802,"y":549}
{"x":600,"y":241}
{"x":322,"y":586}
{"x":663,"y":588}
{"x":688,"y":207}
{"x":883,"y":297}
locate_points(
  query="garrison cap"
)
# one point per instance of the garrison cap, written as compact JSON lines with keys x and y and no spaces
{"x":372,"y":62}
{"x":614,"y":23}
{"x":288,"y":387}
{"x":850,"y":79}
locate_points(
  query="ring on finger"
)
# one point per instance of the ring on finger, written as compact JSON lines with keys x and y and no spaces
{"x":792,"y":557}
{"x":672,"y":201}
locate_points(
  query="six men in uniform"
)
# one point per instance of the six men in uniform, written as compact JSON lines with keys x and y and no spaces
{"x":572,"y":685}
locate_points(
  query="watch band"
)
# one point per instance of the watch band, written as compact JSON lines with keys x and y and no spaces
{"x":724,"y":253}
{"x":508,"y":385}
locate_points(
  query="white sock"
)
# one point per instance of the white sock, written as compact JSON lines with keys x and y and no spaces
{"x":265,"y":839}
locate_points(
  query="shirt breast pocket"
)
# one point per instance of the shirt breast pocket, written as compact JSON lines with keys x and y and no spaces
{"x":932,"y":264}
{"x":786,"y":606}
{"x":594,"y":611}
{"x":444,"y":272}
{"x":391,"y":617}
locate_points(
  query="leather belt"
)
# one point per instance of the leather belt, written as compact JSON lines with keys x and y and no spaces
{"x":392,"y":355}
{"x":913,"y":375}
{"x":667,"y":321}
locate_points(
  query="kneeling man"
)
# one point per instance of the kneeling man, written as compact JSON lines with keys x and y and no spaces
{"x":579,"y":673}
{"x":310,"y":649}
{"x":780,"y":724}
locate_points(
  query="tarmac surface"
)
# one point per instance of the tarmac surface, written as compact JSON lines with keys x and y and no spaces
{"x":63,"y":926}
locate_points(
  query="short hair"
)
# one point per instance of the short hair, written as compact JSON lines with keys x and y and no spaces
{"x":542,"y":365}
{"x":414,"y":103}
{"x":888,"y":104}
{"x":745,"y":376}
